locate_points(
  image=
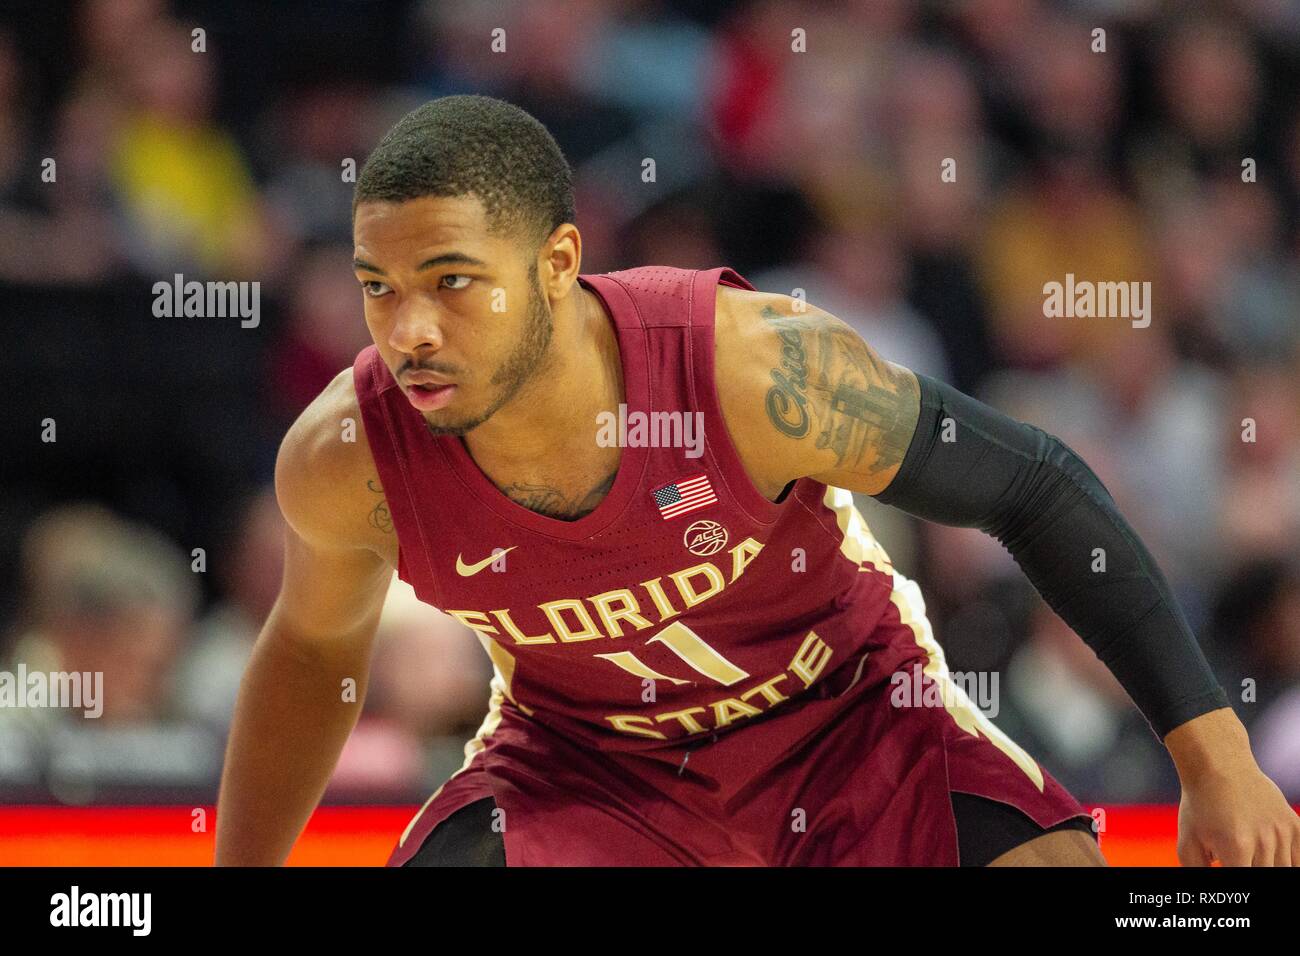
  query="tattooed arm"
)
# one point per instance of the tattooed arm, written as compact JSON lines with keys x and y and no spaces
{"x":838,"y":413}
{"x":831,"y":409}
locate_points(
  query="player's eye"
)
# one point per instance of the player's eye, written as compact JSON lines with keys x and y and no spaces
{"x":375,"y":288}
{"x":457,"y":288}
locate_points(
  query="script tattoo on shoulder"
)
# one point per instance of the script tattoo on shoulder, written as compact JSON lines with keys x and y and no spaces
{"x":379,"y":516}
{"x":830,"y":386}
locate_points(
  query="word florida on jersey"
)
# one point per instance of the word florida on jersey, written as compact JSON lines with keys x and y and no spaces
{"x":572,"y":619}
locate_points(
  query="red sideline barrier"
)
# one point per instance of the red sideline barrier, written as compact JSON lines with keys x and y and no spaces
{"x":178,"y":836}
{"x":364,"y":836}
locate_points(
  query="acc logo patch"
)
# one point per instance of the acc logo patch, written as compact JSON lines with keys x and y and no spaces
{"x":704,"y":537}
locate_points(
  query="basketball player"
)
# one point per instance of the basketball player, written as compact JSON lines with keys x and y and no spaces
{"x":698,"y":660}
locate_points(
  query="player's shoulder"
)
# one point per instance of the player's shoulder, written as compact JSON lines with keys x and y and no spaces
{"x":744,"y":330}
{"x":751,"y":316}
{"x":325,"y":475}
{"x":770,"y":341}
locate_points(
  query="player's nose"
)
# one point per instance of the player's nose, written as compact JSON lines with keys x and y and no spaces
{"x":417,"y":324}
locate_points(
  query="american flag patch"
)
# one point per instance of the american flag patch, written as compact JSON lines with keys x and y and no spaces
{"x":684,"y":495}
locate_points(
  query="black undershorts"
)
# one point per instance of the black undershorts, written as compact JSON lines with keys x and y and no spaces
{"x":985,"y":830}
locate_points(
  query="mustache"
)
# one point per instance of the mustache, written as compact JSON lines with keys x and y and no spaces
{"x":436,"y":368}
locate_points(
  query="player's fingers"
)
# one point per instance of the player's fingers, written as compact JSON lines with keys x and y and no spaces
{"x":1234,"y":850}
{"x":1262,"y":849}
{"x":1193,"y":852}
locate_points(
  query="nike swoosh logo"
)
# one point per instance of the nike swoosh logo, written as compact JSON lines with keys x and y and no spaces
{"x":465,"y":570}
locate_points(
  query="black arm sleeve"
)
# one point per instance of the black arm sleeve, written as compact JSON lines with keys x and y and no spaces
{"x":973,"y":467}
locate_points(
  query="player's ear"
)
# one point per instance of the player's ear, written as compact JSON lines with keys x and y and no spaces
{"x":559,"y":260}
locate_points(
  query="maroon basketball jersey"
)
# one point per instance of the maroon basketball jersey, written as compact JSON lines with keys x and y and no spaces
{"x":686,"y":603}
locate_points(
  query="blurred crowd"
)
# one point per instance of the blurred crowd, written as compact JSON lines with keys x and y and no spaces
{"x":146,"y":542}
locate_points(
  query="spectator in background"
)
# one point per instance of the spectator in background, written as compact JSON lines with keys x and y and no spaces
{"x":1255,"y":311}
{"x":1227,"y":286}
{"x":56,"y":208}
{"x":107,"y":33}
{"x":1257,"y":657}
{"x":1259,"y":511}
{"x":313,"y":132}
{"x":678,"y":232}
{"x":1208,"y":82}
{"x":325,"y":331}
{"x":430,"y":673}
{"x":106,"y":596}
{"x":648,"y":60}
{"x":187,"y":190}
{"x":1066,"y":218}
{"x":249,"y":575}
{"x":1067,"y":214}
{"x":944,"y":163}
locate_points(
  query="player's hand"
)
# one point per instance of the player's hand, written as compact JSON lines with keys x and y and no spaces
{"x":1239,"y":818}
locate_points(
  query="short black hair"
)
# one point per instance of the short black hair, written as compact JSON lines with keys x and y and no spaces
{"x":466,"y":144}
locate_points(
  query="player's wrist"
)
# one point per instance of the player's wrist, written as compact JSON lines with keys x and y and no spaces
{"x":1215,"y":744}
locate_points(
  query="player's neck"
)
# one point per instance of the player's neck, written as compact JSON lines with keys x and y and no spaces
{"x":552,"y":419}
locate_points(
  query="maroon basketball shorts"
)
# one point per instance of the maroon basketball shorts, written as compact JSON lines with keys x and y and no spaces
{"x":855,"y":777}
